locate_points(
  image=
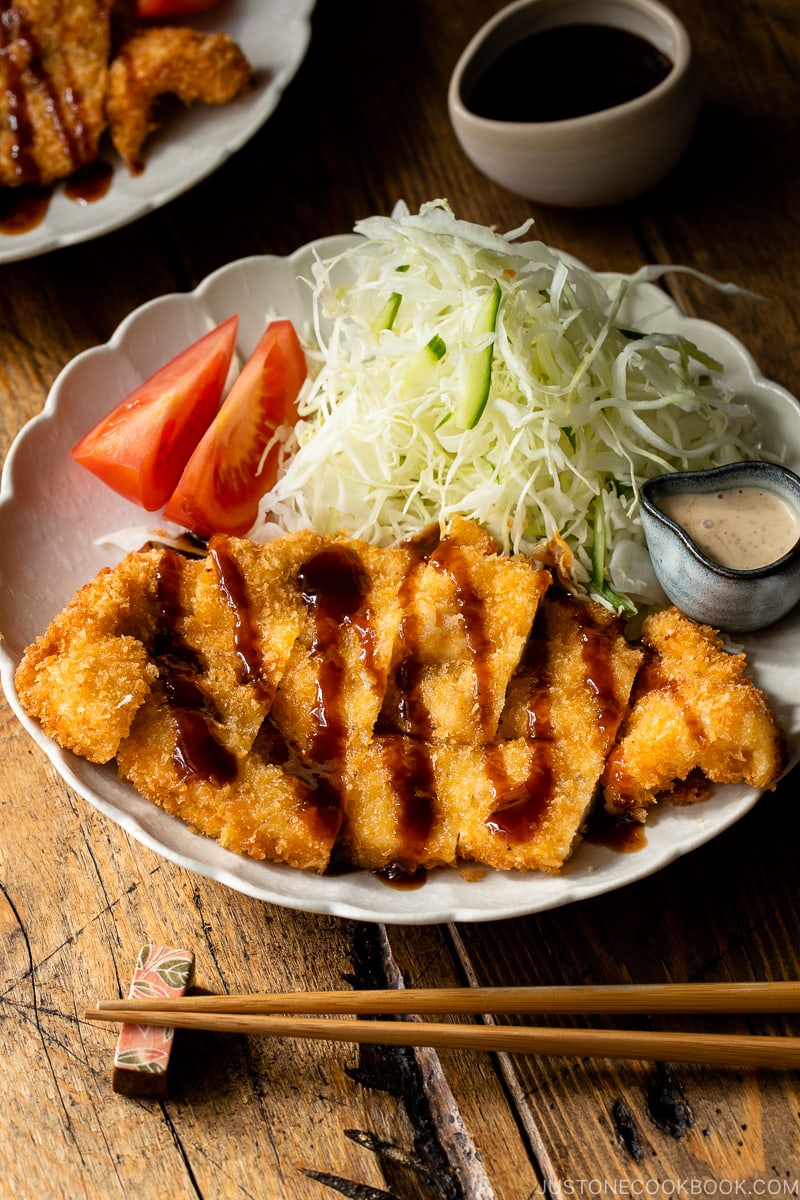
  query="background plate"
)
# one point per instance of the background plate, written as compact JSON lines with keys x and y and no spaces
{"x":274,"y":34}
{"x":52,"y":512}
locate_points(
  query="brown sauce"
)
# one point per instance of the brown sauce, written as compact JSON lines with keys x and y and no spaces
{"x":424,"y":542}
{"x":13,"y":29}
{"x":63,"y":104}
{"x":626,"y":837}
{"x":397,"y":876}
{"x":198,"y":754}
{"x":24,"y":206}
{"x":521,"y":808}
{"x":22,"y":209}
{"x":449,"y":559}
{"x":404,"y":707}
{"x":411,"y":772}
{"x":245,"y":636}
{"x":321,"y":806}
{"x":597,"y":648}
{"x":565,"y":72}
{"x":89,"y":183}
{"x":335,"y":586}
{"x":411,"y":714}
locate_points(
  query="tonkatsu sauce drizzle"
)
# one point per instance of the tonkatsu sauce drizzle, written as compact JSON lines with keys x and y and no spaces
{"x":62,"y":105}
{"x":321,"y":808}
{"x":24,"y":205}
{"x":448,"y":558}
{"x":335,"y":586}
{"x":522,"y":808}
{"x":198,"y":752}
{"x":597,"y":648}
{"x":411,"y":714}
{"x":245,"y":635}
{"x":414,"y":783}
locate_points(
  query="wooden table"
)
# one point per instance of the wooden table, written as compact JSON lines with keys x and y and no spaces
{"x":364,"y":123}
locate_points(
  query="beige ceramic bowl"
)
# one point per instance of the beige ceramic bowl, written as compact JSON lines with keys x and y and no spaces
{"x":596,"y":160}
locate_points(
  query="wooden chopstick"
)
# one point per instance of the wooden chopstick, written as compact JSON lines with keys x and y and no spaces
{"x":738,"y":1050}
{"x":753,"y":997}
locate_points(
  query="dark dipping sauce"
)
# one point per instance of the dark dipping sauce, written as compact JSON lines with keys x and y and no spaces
{"x":565,"y":72}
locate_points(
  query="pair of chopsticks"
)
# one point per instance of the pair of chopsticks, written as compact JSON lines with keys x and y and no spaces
{"x":257,"y":1014}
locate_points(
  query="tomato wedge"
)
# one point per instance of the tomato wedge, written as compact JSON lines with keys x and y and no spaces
{"x":171,"y":8}
{"x":225,"y":478}
{"x":142,"y":446}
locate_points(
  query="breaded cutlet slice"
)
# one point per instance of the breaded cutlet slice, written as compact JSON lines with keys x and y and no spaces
{"x":332,"y":689}
{"x":53,"y":79}
{"x":168,"y":59}
{"x":86,"y":677}
{"x":402,"y":803}
{"x":228,"y":620}
{"x":251,"y":805}
{"x":243,"y":614}
{"x":534,"y":788}
{"x":467,"y":613}
{"x":694,"y":713}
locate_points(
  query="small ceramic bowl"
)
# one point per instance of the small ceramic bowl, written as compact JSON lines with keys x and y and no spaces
{"x":601,"y":158}
{"x":729,"y":599}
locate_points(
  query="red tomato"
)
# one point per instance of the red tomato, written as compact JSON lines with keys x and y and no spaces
{"x":145,"y":9}
{"x":142,"y":446}
{"x":225,"y":478}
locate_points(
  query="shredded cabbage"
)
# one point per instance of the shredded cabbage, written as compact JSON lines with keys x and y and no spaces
{"x":580,"y":409}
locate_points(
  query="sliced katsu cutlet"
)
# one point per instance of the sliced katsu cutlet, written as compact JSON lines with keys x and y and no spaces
{"x":250,"y":805}
{"x":316,"y":699}
{"x":211,"y":757}
{"x":86,"y":677}
{"x":331,"y":694}
{"x":53,"y":77}
{"x":244,"y":615}
{"x":696,"y":717}
{"x":465,"y":612}
{"x":195,"y":67}
{"x":171,"y":664}
{"x":535,"y":786}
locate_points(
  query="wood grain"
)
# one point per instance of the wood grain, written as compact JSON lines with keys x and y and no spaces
{"x":363,"y":124}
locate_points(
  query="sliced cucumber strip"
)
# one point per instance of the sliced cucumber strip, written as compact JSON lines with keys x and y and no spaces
{"x":477,"y":376}
{"x":416,"y":370}
{"x":386,"y":316}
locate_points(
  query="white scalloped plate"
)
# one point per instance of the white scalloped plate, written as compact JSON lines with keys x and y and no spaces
{"x":274,"y":34}
{"x":51,"y":512}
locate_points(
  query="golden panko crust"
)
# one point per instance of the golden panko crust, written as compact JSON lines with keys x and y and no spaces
{"x":319,"y":701}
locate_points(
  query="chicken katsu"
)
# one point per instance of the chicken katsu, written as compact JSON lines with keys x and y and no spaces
{"x":321,"y":701}
{"x":207,"y":68}
{"x":560,"y":721}
{"x":53,"y":79}
{"x":63,"y":83}
{"x":695,"y":718}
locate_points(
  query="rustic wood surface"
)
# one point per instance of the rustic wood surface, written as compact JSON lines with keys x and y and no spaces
{"x":364,"y":123}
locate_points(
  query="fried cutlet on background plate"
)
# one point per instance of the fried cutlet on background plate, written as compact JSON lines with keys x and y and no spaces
{"x":53,"y":80}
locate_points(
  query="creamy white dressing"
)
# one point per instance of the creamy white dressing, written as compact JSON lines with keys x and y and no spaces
{"x":743,"y":528}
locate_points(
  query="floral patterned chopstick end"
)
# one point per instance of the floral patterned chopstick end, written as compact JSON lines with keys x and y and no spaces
{"x":143,"y":1052}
